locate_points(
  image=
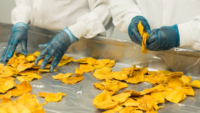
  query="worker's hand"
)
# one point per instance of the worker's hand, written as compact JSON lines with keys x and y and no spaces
{"x":19,"y":35}
{"x":133,"y":29}
{"x":163,"y":38}
{"x":56,"y":48}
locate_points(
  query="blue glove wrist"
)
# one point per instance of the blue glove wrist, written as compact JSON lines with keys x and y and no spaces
{"x":175,"y":27}
{"x":71,"y":36}
{"x":20,"y":24}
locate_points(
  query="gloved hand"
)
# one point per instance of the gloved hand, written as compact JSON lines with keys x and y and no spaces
{"x":133,"y":29}
{"x":56,"y":48}
{"x":19,"y":35}
{"x":164,"y":38}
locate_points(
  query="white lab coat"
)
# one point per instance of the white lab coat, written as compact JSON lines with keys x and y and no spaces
{"x":85,"y":18}
{"x":185,"y":13}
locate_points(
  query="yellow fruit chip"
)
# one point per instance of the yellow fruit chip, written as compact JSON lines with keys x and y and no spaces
{"x":61,"y":76}
{"x":72,"y":80}
{"x":86,"y":68}
{"x":78,"y":72}
{"x":52,"y":97}
{"x":195,"y":83}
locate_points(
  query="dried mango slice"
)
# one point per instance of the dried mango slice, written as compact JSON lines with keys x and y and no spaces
{"x":195,"y":83}
{"x":137,"y":111}
{"x":27,"y":72}
{"x":154,"y":89}
{"x":102,"y":73}
{"x":113,"y":85}
{"x":188,"y":91}
{"x":99,"y":86}
{"x":86,"y":68}
{"x":127,"y":70}
{"x":5,"y":86}
{"x":61,"y":76}
{"x":109,"y":111}
{"x":87,"y":60}
{"x":126,"y":110}
{"x":78,"y":72}
{"x":7,"y":95}
{"x":175,"y":82}
{"x":159,"y":96}
{"x":51,"y":97}
{"x":117,"y":108}
{"x":119,"y":75}
{"x":72,"y":80}
{"x":46,"y":70}
{"x":104,"y":101}
{"x":64,"y":57}
{"x":37,"y":53}
{"x":12,"y":62}
{"x":22,"y":88}
{"x":130,"y":102}
{"x":122,"y":97}
{"x":29,"y":77}
{"x":173,"y":75}
{"x":175,"y":95}
{"x":101,"y":63}
{"x":144,"y":36}
{"x":146,"y":102}
{"x":22,"y":67}
{"x":132,"y":92}
{"x":165,"y":72}
{"x":185,"y":80}
{"x":31,"y":57}
{"x":132,"y":70}
{"x":110,"y":64}
{"x":8,"y":71}
{"x":148,"y":78}
{"x":65,"y":61}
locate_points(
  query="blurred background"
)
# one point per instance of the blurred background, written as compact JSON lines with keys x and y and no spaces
{"x":6,"y":7}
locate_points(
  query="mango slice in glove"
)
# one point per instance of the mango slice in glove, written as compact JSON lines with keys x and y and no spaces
{"x":29,"y":77}
{"x":195,"y":84}
{"x":99,"y":86}
{"x":78,"y":72}
{"x":102,"y":73}
{"x":144,"y":35}
{"x":61,"y":76}
{"x":175,"y":95}
{"x":72,"y":80}
{"x":104,"y":101}
{"x":121,"y":97}
{"x":52,"y":97}
{"x":86,"y":68}
{"x":22,"y":88}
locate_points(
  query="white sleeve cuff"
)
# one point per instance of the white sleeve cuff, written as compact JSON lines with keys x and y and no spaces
{"x":79,"y":29}
{"x":185,"y":34}
{"x":21,"y":14}
{"x":129,"y":17}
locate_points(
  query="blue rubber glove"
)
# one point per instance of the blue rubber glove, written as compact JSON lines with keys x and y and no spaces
{"x":19,"y":35}
{"x":56,"y":48}
{"x":133,"y":29}
{"x":164,"y":38}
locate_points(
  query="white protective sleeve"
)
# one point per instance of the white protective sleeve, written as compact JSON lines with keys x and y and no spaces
{"x":190,"y":33}
{"x":22,"y":12}
{"x":94,"y":22}
{"x":123,"y":11}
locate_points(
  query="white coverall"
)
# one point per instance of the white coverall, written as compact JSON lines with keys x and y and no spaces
{"x":184,"y":13}
{"x":85,"y":18}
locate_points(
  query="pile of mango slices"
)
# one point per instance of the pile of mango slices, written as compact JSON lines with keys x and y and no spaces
{"x":168,"y":86}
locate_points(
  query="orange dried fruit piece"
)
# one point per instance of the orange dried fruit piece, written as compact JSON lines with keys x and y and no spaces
{"x":8,"y":71}
{"x":61,"y":76}
{"x":185,"y":80}
{"x":101,"y":63}
{"x":102,"y":73}
{"x":121,"y":97}
{"x":29,"y":77}
{"x":99,"y":86}
{"x":195,"y":83}
{"x":46,"y":70}
{"x":127,"y":70}
{"x":175,"y":95}
{"x":86,"y":68}
{"x":12,"y":62}
{"x":22,"y":67}
{"x":7,"y":95}
{"x":117,"y":108}
{"x":148,"y":78}
{"x":104,"y":101}
{"x":31,"y":57}
{"x":27,"y":72}
{"x":173,"y":75}
{"x":6,"y":85}
{"x":114,"y":85}
{"x":133,"y":92}
{"x":174,"y":82}
{"x":154,"y":89}
{"x":64,"y":57}
{"x":119,"y":75}
{"x":78,"y":72}
{"x":65,"y":61}
{"x":126,"y":110}
{"x":144,"y":35}
{"x":110,"y":64}
{"x":22,"y":88}
{"x":159,"y":96}
{"x":52,"y":97}
{"x":165,"y":72}
{"x":188,"y":91}
{"x":130,"y":102}
{"x":72,"y":80}
{"x":146,"y":103}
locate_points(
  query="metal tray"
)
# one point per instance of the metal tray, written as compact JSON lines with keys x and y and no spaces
{"x":80,"y":95}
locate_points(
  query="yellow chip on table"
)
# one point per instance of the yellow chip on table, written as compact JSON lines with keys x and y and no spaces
{"x":46,"y":70}
{"x":122,"y":97}
{"x":61,"y":76}
{"x":29,"y":77}
{"x":6,"y":85}
{"x":110,"y":64}
{"x":101,"y":63}
{"x":22,"y":67}
{"x":78,"y":72}
{"x":52,"y":97}
{"x":99,"y":86}
{"x":65,"y":61}
{"x":103,"y":73}
{"x":22,"y":88}
{"x":195,"y":83}
{"x":72,"y":80}
{"x":86,"y":68}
